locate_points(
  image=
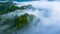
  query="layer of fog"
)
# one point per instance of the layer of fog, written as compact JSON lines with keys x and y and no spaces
{"x":47,"y":19}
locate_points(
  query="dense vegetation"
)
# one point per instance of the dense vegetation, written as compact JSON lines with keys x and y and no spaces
{"x":6,"y":7}
{"x":16,"y":22}
{"x":24,"y":20}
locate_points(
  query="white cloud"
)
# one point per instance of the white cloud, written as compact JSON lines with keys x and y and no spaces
{"x":46,"y":25}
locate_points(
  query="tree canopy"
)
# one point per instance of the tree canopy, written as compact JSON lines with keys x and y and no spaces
{"x":6,"y":7}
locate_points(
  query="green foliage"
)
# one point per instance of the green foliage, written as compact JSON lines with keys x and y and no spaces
{"x":22,"y":7}
{"x":7,"y":7}
{"x":17,"y":23}
{"x":24,"y":20}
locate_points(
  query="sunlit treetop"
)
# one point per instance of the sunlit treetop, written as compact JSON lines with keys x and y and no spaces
{"x":24,"y":20}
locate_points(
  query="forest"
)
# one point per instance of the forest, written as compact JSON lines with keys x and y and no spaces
{"x":17,"y":22}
